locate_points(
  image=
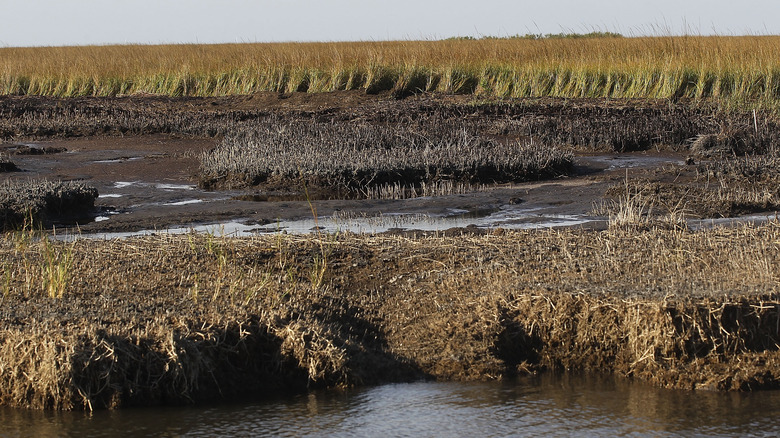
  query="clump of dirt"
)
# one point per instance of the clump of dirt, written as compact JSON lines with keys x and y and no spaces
{"x":40,"y":202}
{"x":6,"y":165}
{"x":730,"y":141}
{"x":30,"y":150}
{"x":177,"y":319}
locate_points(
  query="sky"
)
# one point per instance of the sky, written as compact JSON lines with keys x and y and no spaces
{"x":87,"y":22}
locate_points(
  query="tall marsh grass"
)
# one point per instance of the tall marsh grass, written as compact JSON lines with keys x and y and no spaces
{"x":733,"y":69}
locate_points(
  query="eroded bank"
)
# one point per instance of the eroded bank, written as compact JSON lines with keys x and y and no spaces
{"x":172,"y":319}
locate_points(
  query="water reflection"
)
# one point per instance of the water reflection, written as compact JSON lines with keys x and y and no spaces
{"x":507,"y":217}
{"x":548,"y":405}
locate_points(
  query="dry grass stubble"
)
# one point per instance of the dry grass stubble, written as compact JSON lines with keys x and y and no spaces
{"x":354,"y":160}
{"x":171,"y":319}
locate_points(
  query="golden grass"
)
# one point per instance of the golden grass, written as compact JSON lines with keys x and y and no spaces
{"x":736,"y":69}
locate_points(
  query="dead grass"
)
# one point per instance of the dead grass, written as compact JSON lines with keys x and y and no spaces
{"x":715,"y":188}
{"x":351,"y":160}
{"x":172,"y":319}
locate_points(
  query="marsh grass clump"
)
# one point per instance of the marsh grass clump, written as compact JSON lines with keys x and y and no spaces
{"x":43,"y":201}
{"x":738,"y":175}
{"x":6,"y":165}
{"x":720,"y":188}
{"x":353,"y":160}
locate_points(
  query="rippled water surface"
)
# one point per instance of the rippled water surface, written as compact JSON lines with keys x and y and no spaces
{"x":547,"y":405}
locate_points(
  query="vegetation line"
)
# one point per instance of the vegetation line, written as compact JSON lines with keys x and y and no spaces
{"x":734,"y":70}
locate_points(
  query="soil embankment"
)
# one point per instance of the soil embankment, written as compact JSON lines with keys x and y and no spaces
{"x":178,"y":319}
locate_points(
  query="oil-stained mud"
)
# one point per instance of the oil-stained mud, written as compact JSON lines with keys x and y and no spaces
{"x":7,"y":165}
{"x":613,"y":125}
{"x":32,"y":203}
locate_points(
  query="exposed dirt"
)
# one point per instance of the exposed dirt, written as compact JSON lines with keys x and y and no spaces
{"x":172,"y":319}
{"x":142,"y":153}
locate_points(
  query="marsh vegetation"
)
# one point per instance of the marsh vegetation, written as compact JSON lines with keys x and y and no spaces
{"x":176,"y":319}
{"x":732,"y":70}
{"x":349,"y":160}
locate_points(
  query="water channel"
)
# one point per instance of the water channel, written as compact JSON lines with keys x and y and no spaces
{"x":546,"y":405}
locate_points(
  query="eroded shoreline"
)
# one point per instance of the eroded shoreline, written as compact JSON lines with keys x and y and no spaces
{"x":176,"y":319}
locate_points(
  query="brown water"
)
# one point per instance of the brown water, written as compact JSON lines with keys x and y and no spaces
{"x":548,"y":405}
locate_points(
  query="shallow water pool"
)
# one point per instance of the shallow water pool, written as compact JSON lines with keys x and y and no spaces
{"x":547,"y":405}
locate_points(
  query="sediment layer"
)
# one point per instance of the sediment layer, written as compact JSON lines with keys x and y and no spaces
{"x":176,"y":319}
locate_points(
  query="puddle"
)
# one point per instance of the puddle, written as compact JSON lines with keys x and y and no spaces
{"x":118,"y":160}
{"x":627,"y":161}
{"x":160,"y":186}
{"x":507,"y":217}
{"x":175,"y":186}
{"x":186,"y":202}
{"x":111,"y":195}
{"x":123,"y":184}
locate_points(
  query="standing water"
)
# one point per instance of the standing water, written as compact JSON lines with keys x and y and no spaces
{"x":547,"y":405}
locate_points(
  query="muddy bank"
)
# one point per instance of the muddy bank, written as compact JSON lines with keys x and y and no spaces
{"x":144,"y":155}
{"x":600,"y":124}
{"x":35,"y":203}
{"x":176,"y":319}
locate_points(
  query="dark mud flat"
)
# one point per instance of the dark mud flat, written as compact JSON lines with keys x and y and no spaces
{"x":142,"y":152}
{"x":150,"y":183}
